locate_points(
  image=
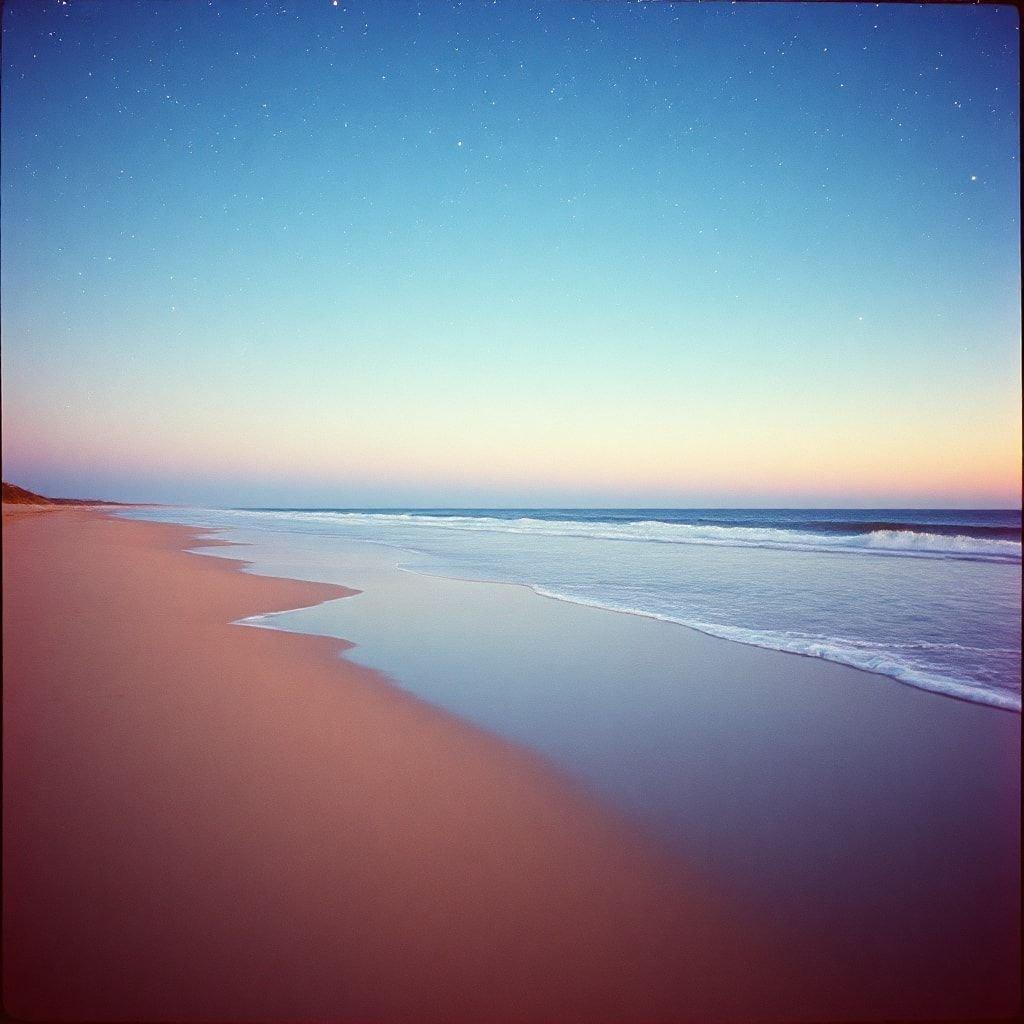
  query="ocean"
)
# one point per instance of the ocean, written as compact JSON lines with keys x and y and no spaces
{"x":931,"y":598}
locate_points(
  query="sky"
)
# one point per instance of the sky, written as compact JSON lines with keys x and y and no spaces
{"x":472,"y":254}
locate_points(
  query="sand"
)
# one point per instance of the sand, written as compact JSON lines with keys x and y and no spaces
{"x":205,"y":821}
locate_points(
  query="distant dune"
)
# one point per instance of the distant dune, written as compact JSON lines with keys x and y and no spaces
{"x":14,"y":495}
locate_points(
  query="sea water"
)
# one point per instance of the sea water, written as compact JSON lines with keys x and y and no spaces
{"x":930,"y":598}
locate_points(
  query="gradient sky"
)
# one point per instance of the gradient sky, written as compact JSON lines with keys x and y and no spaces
{"x":478,"y":254}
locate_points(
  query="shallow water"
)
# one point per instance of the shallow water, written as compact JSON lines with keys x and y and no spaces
{"x":929,"y":598}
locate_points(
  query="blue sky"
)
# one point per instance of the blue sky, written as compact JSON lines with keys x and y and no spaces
{"x":508,"y":253}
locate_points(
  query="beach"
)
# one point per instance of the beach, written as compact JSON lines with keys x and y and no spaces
{"x":204,"y":821}
{"x":512,"y":513}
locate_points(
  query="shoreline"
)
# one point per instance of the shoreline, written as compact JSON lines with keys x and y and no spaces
{"x":829,"y":648}
{"x":996,"y":704}
{"x":209,"y":822}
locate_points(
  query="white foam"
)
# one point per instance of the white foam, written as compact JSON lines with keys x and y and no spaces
{"x":856,"y":654}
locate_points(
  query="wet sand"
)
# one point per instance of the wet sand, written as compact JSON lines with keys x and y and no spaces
{"x":205,"y":821}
